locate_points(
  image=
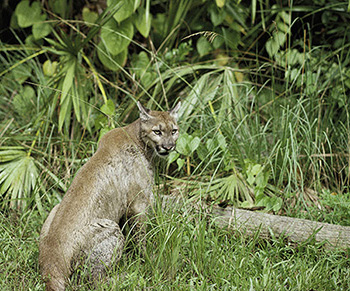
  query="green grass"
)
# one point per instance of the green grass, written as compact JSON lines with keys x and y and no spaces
{"x":184,"y":251}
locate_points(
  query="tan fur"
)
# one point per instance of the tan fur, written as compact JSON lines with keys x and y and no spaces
{"x":116,"y":181}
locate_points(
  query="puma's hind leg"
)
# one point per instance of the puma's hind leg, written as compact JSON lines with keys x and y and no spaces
{"x":105,"y":246}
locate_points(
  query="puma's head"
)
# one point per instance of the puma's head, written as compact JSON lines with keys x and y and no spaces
{"x":159,"y":129}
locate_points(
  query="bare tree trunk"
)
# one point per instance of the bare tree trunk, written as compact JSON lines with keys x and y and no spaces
{"x":295,"y":230}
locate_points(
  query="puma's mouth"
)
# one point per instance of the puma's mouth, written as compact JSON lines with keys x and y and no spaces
{"x":162,"y":152}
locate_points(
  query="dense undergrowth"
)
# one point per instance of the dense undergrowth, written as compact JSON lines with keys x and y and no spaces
{"x":264,"y":119}
{"x":264,"y":122}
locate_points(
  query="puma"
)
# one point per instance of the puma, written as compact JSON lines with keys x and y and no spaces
{"x":117,"y":181}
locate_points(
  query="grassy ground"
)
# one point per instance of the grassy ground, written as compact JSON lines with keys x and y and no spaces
{"x":184,"y":252}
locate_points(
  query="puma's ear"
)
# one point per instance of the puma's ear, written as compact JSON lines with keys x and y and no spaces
{"x":174,"y":112}
{"x":143,"y":112}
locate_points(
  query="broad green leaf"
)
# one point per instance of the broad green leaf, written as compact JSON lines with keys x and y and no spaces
{"x":31,"y":41}
{"x":202,"y":152}
{"x":187,"y":144}
{"x":103,"y":131}
{"x":108,"y":108}
{"x":24,"y":100}
{"x":180,"y":163}
{"x":222,"y":142}
{"x":125,"y":11}
{"x":272,"y":47}
{"x":59,"y":6}
{"x":232,"y":37}
{"x":21,"y":73}
{"x":217,"y":16}
{"x":251,"y":179}
{"x":210,"y":144}
{"x":158,"y":26}
{"x":147,"y":79}
{"x":203,"y":46}
{"x":143,"y":21}
{"x":285,"y":17}
{"x":277,"y":204}
{"x":193,"y":145}
{"x":89,"y":16}
{"x":262,"y":200}
{"x":255,"y":170}
{"x":28,"y":14}
{"x":181,"y":144}
{"x":173,"y":157}
{"x":247,"y":204}
{"x":49,"y":68}
{"x":280,"y":37}
{"x":141,"y":66}
{"x":14,"y":21}
{"x":220,"y":3}
{"x":274,"y":43}
{"x":117,"y":37}
{"x":111,"y":62}
{"x":41,"y":29}
{"x":218,"y":42}
{"x":283,"y":27}
{"x":140,"y":63}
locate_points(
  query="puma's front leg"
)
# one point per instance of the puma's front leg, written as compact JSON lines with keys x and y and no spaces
{"x":139,"y":210}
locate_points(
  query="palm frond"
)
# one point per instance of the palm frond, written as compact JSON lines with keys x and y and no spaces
{"x":18,"y":177}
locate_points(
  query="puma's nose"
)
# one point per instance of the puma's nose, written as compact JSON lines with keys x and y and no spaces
{"x":168,"y":147}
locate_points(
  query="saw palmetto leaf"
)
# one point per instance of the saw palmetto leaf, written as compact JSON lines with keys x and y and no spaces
{"x":18,"y":177}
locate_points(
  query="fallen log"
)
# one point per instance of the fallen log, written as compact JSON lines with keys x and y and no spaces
{"x":294,"y":230}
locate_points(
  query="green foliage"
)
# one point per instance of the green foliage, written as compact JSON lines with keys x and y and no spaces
{"x":30,"y":15}
{"x":264,"y":90}
{"x":329,"y":207}
{"x":183,"y":251}
{"x":279,"y":33}
{"x":143,"y":20}
{"x":258,"y":178}
{"x":127,"y":8}
{"x":117,"y":37}
{"x":337,"y":207}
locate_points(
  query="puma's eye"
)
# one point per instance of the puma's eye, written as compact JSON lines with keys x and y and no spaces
{"x":157,"y":132}
{"x":174,"y":131}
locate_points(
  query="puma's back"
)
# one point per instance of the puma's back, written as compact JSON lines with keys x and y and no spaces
{"x":116,"y":181}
